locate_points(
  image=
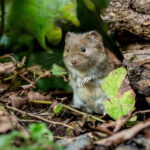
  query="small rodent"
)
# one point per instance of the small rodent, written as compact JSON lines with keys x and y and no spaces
{"x":88,"y":63}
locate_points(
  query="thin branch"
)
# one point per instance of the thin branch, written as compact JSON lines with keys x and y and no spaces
{"x":38,"y":117}
{"x":69,"y":108}
{"x":24,"y":120}
{"x":123,"y":135}
{"x":141,"y":112}
{"x":40,"y":102}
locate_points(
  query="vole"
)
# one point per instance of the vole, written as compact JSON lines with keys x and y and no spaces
{"x":88,"y":63}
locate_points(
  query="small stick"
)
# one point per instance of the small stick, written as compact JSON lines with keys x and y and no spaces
{"x":10,"y":77}
{"x":69,"y":108}
{"x":24,"y":120}
{"x":26,"y":79}
{"x":38,"y":117}
{"x":39,"y":102}
{"x":82,"y":113}
{"x":141,"y":112}
{"x":123,"y":135}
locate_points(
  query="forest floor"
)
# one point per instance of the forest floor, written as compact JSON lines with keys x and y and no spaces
{"x":20,"y":106}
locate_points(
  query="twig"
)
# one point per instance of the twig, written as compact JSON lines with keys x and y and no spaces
{"x":101,"y":129}
{"x":122,"y":121}
{"x":82,"y":113}
{"x":26,"y":79}
{"x":2,"y":17}
{"x":38,"y":117}
{"x":24,"y":120}
{"x":123,"y":135}
{"x":39,"y":102}
{"x":141,"y":112}
{"x":69,"y":108}
{"x":10,"y":77}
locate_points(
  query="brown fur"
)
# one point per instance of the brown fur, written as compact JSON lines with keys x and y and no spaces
{"x":91,"y":67}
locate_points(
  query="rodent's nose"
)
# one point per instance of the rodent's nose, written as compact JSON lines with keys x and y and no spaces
{"x":73,"y":62}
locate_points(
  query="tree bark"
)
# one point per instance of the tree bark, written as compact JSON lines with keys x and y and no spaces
{"x":129,"y":21}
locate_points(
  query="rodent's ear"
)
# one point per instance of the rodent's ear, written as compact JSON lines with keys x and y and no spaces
{"x":94,"y":36}
{"x":67,"y":36}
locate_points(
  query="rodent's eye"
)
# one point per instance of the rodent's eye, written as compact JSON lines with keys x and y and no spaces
{"x":83,"y":49}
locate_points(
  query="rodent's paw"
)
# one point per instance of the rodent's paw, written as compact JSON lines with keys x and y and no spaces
{"x":100,"y":108}
{"x":88,"y":110}
{"x":77,"y":102}
{"x":85,"y":80}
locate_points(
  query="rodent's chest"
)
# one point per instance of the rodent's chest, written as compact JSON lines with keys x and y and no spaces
{"x":90,"y":91}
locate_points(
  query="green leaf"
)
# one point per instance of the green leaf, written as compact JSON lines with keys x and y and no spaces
{"x":58,"y":70}
{"x":132,"y":121}
{"x":57,"y":109}
{"x":40,"y":17}
{"x":7,"y":140}
{"x":38,"y":132}
{"x":121,"y":96}
{"x":40,"y":136}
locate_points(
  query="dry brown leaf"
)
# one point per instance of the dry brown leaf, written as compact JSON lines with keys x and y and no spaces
{"x":7,"y":67}
{"x":18,"y":101}
{"x":15,"y":99}
{"x":7,"y":122}
{"x":38,"y":96}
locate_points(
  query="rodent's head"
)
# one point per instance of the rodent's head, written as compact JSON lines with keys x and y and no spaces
{"x":83,"y":51}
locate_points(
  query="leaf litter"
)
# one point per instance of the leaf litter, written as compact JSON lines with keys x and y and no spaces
{"x":21,"y":105}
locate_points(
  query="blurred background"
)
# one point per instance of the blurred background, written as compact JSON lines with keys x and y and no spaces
{"x":36,"y":29}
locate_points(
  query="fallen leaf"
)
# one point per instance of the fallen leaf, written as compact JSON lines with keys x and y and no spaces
{"x":58,"y":70}
{"x":7,"y":67}
{"x":57,"y":109}
{"x":121,"y":98}
{"x":38,"y":96}
{"x":18,"y":101}
{"x":7,"y":122}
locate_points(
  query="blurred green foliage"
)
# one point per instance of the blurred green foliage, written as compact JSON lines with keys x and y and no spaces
{"x":41,"y":18}
{"x":40,"y":138}
{"x":33,"y":25}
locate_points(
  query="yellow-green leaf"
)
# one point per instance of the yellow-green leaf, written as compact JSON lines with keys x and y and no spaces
{"x":121,"y":98}
{"x":57,"y":109}
{"x":58,"y":70}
